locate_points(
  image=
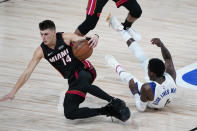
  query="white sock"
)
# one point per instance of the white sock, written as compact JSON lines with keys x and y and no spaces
{"x":125,"y":35}
{"x":141,"y":57}
{"x":119,"y":69}
{"x":138,"y":52}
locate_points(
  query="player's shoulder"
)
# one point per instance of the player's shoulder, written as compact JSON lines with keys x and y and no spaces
{"x":39,"y":52}
{"x":149,"y":87}
{"x":168,"y":77}
{"x":148,"y":90}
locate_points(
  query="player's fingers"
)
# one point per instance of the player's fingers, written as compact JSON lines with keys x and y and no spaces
{"x":93,"y":44}
{"x":90,"y":41}
{"x":4,"y":98}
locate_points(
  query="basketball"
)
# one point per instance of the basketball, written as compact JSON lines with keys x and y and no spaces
{"x":81,"y":50}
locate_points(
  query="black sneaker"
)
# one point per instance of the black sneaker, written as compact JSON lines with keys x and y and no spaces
{"x":118,"y":109}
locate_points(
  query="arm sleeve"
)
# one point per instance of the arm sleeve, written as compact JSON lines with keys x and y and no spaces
{"x":141,"y":106}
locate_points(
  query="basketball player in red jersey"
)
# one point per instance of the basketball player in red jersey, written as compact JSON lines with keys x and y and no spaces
{"x":56,"y":49}
{"x":94,"y":10}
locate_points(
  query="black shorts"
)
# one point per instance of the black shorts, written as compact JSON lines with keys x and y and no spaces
{"x":96,"y":6}
{"x":80,"y":81}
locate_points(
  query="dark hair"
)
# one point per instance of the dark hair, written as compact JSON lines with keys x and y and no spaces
{"x":47,"y":24}
{"x":156,"y":66}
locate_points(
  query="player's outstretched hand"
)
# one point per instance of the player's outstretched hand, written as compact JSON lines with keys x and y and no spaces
{"x":93,"y":41}
{"x":9,"y":96}
{"x":156,"y":41}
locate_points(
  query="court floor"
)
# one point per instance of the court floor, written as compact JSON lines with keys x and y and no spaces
{"x":37,"y":106}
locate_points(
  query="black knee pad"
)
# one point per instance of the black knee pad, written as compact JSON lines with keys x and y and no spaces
{"x":134,"y":8}
{"x":88,"y":24}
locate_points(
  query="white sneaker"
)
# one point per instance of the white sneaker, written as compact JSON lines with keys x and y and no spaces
{"x":136,"y":36}
{"x":111,"y":61}
{"x":114,"y":23}
{"x":117,"y":26}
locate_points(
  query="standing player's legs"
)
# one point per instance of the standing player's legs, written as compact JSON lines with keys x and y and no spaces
{"x":134,"y":9}
{"x":93,"y":12}
{"x":135,"y":12}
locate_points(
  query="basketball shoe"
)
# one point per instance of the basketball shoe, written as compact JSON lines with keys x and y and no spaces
{"x":117,"y":26}
{"x":118,"y":109}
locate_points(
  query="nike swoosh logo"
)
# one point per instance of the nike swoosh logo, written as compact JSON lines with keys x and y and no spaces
{"x":50,"y":53}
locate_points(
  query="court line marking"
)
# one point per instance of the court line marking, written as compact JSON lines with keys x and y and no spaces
{"x":181,"y":72}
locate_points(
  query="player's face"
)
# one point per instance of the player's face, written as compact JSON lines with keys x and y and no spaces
{"x":47,"y":36}
{"x":150,"y":74}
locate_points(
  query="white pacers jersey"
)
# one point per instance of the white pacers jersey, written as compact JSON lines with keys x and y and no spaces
{"x":163,"y":93}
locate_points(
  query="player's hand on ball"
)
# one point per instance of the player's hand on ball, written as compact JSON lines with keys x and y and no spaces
{"x":82,"y":50}
{"x":93,"y":41}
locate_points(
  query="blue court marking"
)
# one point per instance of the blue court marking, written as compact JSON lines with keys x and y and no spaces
{"x":191,"y":77}
{"x":187,"y":76}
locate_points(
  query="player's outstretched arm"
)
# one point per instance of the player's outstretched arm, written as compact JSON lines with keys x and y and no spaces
{"x":71,"y":37}
{"x":166,"y":56}
{"x":38,"y":54}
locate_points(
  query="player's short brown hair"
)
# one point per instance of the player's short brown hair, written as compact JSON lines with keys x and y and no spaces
{"x":47,"y":24}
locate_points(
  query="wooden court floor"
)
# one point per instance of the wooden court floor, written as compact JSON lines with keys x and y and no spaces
{"x":35,"y":107}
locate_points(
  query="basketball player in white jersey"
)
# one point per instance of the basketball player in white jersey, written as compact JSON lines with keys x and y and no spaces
{"x":160,"y":87}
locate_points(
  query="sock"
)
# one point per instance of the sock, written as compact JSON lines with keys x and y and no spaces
{"x":138,"y":52}
{"x":127,"y":24}
{"x":124,"y":76}
{"x":125,"y":35}
{"x":141,"y":57}
{"x":119,"y":69}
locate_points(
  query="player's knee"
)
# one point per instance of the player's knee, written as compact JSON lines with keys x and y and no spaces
{"x":69,"y":115}
{"x":136,"y":13}
{"x":134,"y":8}
{"x":88,"y":24}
